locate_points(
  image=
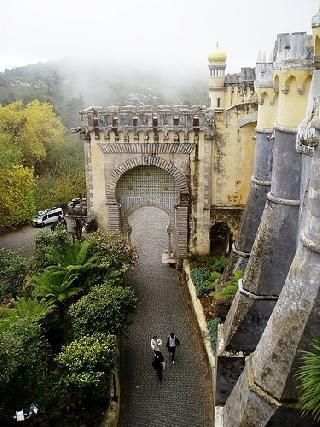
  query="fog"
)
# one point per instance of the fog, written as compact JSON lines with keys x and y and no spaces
{"x":170,"y":37}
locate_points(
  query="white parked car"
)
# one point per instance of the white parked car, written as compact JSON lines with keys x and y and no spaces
{"x":48,"y":216}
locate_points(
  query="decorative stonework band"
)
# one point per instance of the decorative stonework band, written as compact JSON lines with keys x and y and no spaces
{"x":309,"y":244}
{"x":240,"y":253}
{"x":251,"y":295}
{"x":279,"y":201}
{"x":265,"y":131}
{"x":145,"y":160}
{"x":285,"y":129}
{"x":259,"y":182}
{"x":153,"y":149}
{"x":255,"y":388}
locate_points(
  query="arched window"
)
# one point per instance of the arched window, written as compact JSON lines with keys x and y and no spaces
{"x":220,"y":239}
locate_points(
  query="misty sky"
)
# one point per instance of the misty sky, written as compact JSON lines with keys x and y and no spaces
{"x":169,"y":34}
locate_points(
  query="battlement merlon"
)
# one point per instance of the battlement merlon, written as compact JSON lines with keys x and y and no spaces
{"x":246,"y":77}
{"x":293,"y":51}
{"x":264,"y":75}
{"x":145,"y":118}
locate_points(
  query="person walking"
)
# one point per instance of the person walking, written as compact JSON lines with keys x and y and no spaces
{"x":158,"y":363}
{"x":172,"y":343}
{"x":156,"y":343}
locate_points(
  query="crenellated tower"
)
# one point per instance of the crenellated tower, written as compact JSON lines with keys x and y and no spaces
{"x":276,"y":240}
{"x":261,"y":179}
{"x":267,"y":387}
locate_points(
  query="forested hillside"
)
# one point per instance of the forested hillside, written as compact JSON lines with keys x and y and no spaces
{"x":41,"y":163}
{"x":71,"y":86}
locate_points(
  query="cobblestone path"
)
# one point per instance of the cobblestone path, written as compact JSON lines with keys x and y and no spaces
{"x":184,"y":397}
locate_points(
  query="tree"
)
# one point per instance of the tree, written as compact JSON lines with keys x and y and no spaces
{"x":82,"y":262}
{"x":13,"y":267}
{"x":33,"y":129}
{"x":26,"y":136}
{"x":113,"y":248}
{"x":85,"y":368}
{"x":309,"y":378}
{"x":17,"y":201}
{"x":54,"y":286}
{"x":24,"y":354}
{"x":105,"y":309}
{"x":62,"y":174}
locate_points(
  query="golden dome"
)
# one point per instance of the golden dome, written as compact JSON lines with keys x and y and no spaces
{"x":217,"y":55}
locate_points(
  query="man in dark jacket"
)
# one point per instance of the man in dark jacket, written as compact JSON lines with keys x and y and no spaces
{"x":158,"y":362}
{"x":172,"y":343}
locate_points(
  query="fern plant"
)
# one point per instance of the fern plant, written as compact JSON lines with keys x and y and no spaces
{"x":309,"y":381}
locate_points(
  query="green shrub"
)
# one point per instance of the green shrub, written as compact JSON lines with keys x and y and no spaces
{"x":214,"y":276}
{"x":47,"y":244}
{"x":112,"y":248}
{"x":220,"y":264}
{"x":213,"y":332}
{"x":309,"y":381}
{"x":237,"y":275}
{"x":105,"y":309}
{"x":226,"y":291}
{"x":13,"y":267}
{"x":204,"y":280}
{"x":85,"y":366}
{"x":229,"y":289}
{"x":86,"y":361}
{"x":24,"y":353}
{"x":23,"y":308}
{"x":199,"y":276}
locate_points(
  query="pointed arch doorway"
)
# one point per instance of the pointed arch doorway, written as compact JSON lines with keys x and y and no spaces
{"x":150,"y":187}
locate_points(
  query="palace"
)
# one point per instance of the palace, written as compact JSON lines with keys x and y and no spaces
{"x":239,"y":175}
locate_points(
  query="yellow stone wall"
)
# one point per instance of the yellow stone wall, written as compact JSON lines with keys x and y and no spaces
{"x":232,"y":156}
{"x":267,"y":107}
{"x":98,"y":183}
{"x":293,"y":87}
{"x":236,"y":95}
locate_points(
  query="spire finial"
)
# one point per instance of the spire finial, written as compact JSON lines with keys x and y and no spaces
{"x":259,"y":57}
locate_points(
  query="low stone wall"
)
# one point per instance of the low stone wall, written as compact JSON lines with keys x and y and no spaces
{"x":111,"y":417}
{"x":201,"y":319}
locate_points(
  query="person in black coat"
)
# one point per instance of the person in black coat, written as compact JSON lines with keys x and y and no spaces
{"x":158,"y":362}
{"x":172,"y":343}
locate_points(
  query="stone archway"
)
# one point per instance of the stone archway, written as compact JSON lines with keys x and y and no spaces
{"x":220,"y":239}
{"x":151,"y":181}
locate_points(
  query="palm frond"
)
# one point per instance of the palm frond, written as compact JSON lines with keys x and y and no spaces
{"x":309,"y":381}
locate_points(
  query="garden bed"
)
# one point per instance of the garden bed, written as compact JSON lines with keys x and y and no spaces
{"x":209,"y":306}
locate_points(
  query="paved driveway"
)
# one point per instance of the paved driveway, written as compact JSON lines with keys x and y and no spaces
{"x":184,"y":397}
{"x":22,"y":238}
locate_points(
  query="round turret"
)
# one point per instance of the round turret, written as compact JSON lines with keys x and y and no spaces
{"x":316,"y":20}
{"x":217,"y":56}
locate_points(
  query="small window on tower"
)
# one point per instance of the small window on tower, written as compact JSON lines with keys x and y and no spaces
{"x":176,"y":120}
{"x":135,"y":120}
{"x":155,"y":120}
{"x":115,"y":121}
{"x":218,"y":102}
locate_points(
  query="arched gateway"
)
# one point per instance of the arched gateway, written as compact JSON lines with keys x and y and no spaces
{"x":142,"y":156}
{"x":151,"y":181}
